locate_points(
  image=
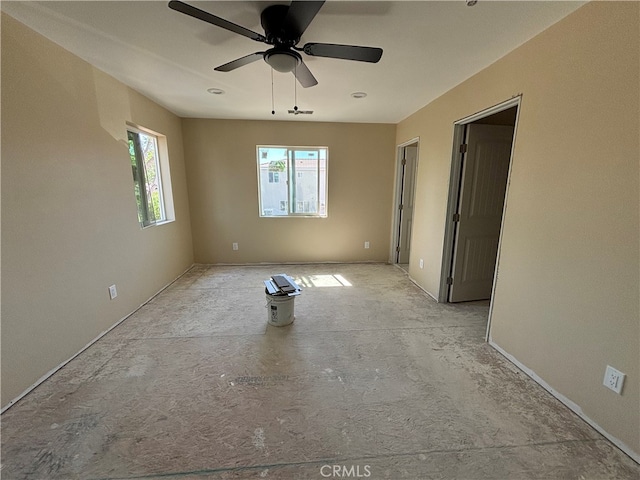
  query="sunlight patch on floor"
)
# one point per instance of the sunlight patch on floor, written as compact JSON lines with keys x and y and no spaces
{"x":323,"y":281}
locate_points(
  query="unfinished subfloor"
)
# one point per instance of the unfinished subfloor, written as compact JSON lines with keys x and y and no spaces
{"x":374,"y":379}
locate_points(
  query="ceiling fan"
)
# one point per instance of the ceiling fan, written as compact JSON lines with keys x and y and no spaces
{"x":283,"y":26}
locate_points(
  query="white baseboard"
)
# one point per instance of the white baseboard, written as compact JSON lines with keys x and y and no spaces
{"x":54,"y":370}
{"x":268,"y":264}
{"x":574,"y":407}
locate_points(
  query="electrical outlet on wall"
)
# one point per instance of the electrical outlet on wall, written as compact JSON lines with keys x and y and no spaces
{"x":421,"y":263}
{"x":366,"y":244}
{"x":613,"y":379}
{"x":113,"y":293}
{"x":234,"y":246}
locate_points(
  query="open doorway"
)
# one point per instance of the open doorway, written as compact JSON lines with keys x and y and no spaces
{"x":477,"y":196}
{"x":407,"y":162}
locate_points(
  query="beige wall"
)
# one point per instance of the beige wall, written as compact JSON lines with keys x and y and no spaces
{"x":69,"y":221}
{"x":567,"y":300}
{"x":223,"y":192}
{"x":568,"y":295}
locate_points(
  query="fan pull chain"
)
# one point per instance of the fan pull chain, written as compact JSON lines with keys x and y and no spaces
{"x":273,"y":110}
{"x":295,"y":88}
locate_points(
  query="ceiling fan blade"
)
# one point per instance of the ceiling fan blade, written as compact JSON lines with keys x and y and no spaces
{"x":212,"y":19}
{"x":300,"y":15}
{"x":304,"y":75}
{"x":346,"y":52}
{"x":240,"y":62}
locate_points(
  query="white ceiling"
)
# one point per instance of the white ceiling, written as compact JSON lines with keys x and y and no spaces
{"x":429,"y":47}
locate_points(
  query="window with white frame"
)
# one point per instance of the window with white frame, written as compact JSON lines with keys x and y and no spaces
{"x":292,"y":181}
{"x":150,"y":177}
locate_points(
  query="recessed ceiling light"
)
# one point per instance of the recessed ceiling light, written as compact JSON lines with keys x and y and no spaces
{"x":215,"y":91}
{"x":358,"y":94}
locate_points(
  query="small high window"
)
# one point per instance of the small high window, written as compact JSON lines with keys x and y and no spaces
{"x":292,"y":181}
{"x":150,"y":176}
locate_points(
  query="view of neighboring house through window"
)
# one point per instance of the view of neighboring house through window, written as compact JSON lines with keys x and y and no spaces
{"x":147,"y":180}
{"x":292,"y":181}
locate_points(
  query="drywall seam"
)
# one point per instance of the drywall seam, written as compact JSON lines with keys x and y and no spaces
{"x":55,"y":369}
{"x":574,"y":407}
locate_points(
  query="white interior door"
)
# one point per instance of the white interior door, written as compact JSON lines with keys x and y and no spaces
{"x":406,"y":203}
{"x":479,"y":216}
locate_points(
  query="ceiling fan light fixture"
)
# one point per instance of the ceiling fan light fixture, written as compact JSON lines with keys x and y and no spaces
{"x":215,"y":91}
{"x":358,"y":94}
{"x":282,"y":60}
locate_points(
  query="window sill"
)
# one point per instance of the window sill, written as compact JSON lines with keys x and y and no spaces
{"x":157,"y":224}
{"x":293,"y":216}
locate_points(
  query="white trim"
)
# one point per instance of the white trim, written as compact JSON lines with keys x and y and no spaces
{"x":326,"y":181}
{"x":394,"y":213}
{"x":54,"y":370}
{"x":409,"y":142}
{"x":513,"y":102}
{"x":574,"y":407}
{"x":163,"y":165}
{"x":398,"y":190}
{"x":452,"y":205}
{"x":507,"y":104}
{"x":454,"y":191}
{"x":301,"y":262}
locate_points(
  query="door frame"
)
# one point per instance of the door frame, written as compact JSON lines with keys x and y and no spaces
{"x":459,"y":128}
{"x":397,"y":196}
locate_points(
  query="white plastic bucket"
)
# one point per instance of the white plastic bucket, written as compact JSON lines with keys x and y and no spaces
{"x":280,"y":310}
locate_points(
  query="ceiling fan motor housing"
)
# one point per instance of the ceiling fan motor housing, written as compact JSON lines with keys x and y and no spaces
{"x":272,"y":19}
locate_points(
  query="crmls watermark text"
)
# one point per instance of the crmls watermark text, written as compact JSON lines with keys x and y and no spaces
{"x":344,"y":471}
